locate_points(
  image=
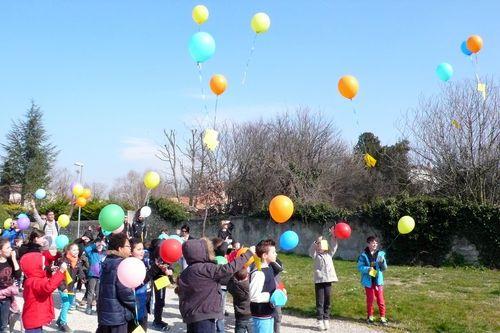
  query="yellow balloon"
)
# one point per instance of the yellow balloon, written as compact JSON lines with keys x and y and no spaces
{"x":77,"y":190}
{"x":7,"y":223}
{"x":406,"y":224}
{"x":63,"y":220}
{"x":200,"y":14}
{"x":210,"y":139}
{"x":260,"y":23}
{"x":151,"y":180}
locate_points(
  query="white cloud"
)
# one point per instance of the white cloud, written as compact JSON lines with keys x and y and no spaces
{"x":138,"y":149}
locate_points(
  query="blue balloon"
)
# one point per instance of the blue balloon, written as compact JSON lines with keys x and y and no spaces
{"x":464,"y":48}
{"x":289,"y":240}
{"x":176,"y":237}
{"x":20,"y":216}
{"x":278,"y":298}
{"x":61,"y":241}
{"x":40,"y":194}
{"x":163,"y":236}
{"x":444,"y":71}
{"x":106,"y":233}
{"x":201,"y":46}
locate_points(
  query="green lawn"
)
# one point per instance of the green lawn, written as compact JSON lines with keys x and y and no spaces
{"x":418,"y":299}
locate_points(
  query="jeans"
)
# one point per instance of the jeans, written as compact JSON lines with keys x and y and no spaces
{"x":277,"y":319}
{"x":371,"y":293}
{"x":263,"y":325}
{"x":323,"y":291}
{"x":34,"y":330}
{"x":203,"y":326}
{"x":219,"y":323}
{"x":66,"y":302}
{"x":93,"y":289}
{"x":4,"y":314}
{"x":243,"y":326}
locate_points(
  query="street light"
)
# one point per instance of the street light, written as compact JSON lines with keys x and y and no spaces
{"x":80,"y":172}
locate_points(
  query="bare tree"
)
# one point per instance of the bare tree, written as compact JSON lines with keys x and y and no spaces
{"x":129,"y":189}
{"x":98,"y":190}
{"x":60,"y":182}
{"x":457,"y":133}
{"x":168,"y":153}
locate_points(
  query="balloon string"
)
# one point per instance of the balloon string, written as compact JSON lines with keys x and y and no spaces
{"x":248,"y":60}
{"x":203,"y":96}
{"x":392,"y":242}
{"x":215,"y":112}
{"x":475,"y":67}
{"x":146,"y":201}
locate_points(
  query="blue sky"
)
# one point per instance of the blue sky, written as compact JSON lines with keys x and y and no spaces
{"x":111,"y":75}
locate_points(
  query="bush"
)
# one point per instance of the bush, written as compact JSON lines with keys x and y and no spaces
{"x":13,"y":209}
{"x":3,"y":216}
{"x":169,"y":210}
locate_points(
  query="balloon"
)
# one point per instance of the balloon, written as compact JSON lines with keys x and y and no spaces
{"x":221,"y":260}
{"x":7,"y":223}
{"x":151,"y":180}
{"x":260,"y":23}
{"x":243,"y":250}
{"x":120,"y":229}
{"x":444,"y":71}
{"x":342,"y":230}
{"x":40,"y":194}
{"x":218,"y":84}
{"x":63,"y":220}
{"x":289,"y":240}
{"x":170,"y":250}
{"x":77,"y":190}
{"x":81,"y":202}
{"x":87,"y":193}
{"x":176,"y":237}
{"x":23,"y":223}
{"x":406,"y":224}
{"x":131,"y":272}
{"x":281,"y":208}
{"x":210,"y":139}
{"x":278,"y":298}
{"x":474,"y":43}
{"x":348,"y":86}
{"x":200,"y":14}
{"x":464,"y":48}
{"x":111,"y":217}
{"x":62,"y":241}
{"x":20,"y":216}
{"x":145,"y":211}
{"x":106,"y":233}
{"x":163,"y":236}
{"x":201,"y":46}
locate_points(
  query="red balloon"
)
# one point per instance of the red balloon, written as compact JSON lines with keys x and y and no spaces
{"x":342,"y":230}
{"x":170,"y":250}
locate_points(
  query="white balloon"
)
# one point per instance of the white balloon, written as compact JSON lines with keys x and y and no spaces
{"x":145,"y":211}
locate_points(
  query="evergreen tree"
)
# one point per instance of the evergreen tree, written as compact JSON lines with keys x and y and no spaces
{"x":29,"y":156}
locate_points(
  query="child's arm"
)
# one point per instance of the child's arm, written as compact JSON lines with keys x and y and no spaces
{"x":362,"y":268}
{"x":312,"y":250}
{"x":256,"y":285}
{"x":222,"y":272}
{"x":125,"y":296}
{"x":382,"y":264}
{"x":335,"y":245}
{"x":46,"y":287}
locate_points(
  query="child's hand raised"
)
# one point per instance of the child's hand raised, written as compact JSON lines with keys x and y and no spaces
{"x":63,"y":267}
{"x":252,"y":249}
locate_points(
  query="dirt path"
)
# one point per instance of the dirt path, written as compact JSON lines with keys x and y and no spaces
{"x":81,"y":322}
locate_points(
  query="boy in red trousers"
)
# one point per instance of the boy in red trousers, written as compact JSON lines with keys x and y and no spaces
{"x":38,"y":309}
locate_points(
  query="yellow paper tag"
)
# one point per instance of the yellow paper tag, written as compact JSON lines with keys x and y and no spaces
{"x":481,"y":87}
{"x":139,"y":329}
{"x":372,"y":272}
{"x":324,"y":245}
{"x":67,"y":277}
{"x":370,"y":161}
{"x":162,"y":282}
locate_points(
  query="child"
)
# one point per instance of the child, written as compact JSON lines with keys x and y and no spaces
{"x":277,"y":267}
{"x":238,"y":287}
{"x":67,"y":288}
{"x":38,"y":309}
{"x":158,"y":270}
{"x":262,"y":286}
{"x":371,"y":264}
{"x":141,"y":292}
{"x":324,"y":275}
{"x":9,"y":271}
{"x":95,"y":254}
{"x":200,"y":301}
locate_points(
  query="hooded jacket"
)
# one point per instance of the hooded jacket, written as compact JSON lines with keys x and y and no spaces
{"x":199,"y":284}
{"x":240,"y":291}
{"x":38,"y":309}
{"x":116,"y":303}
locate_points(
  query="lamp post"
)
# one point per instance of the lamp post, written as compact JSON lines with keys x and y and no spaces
{"x":80,"y":172}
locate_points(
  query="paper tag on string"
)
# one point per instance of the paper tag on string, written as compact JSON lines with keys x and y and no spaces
{"x":369,"y":160}
{"x":138,"y":329}
{"x":456,"y":124}
{"x":67,"y":277}
{"x":481,"y":87}
{"x":162,"y":282}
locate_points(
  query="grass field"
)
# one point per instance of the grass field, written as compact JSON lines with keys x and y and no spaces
{"x":418,"y":299}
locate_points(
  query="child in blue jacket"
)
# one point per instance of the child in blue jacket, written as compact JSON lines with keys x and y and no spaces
{"x":371,"y":265}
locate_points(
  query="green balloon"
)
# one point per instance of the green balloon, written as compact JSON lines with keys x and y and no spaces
{"x":111,"y":217}
{"x":221,"y":260}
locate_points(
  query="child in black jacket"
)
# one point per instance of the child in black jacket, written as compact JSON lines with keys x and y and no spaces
{"x":239,"y":288}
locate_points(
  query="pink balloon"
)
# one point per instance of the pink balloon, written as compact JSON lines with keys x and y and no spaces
{"x":131,"y":272}
{"x":120,"y":229}
{"x":23,"y":223}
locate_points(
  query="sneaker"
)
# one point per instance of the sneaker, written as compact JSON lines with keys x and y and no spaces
{"x":383,"y":321}
{"x":327,"y":324}
{"x":161,"y":326}
{"x":64,"y":327}
{"x":370,"y":320}
{"x":320,"y":325}
{"x":83,"y":302}
{"x":88,"y":311}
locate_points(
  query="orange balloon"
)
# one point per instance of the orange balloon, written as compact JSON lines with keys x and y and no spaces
{"x":281,"y":208}
{"x":218,"y":84}
{"x":348,"y":86}
{"x":86,"y":193}
{"x":474,"y":43}
{"x":81,"y":202}
{"x":240,"y":252}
